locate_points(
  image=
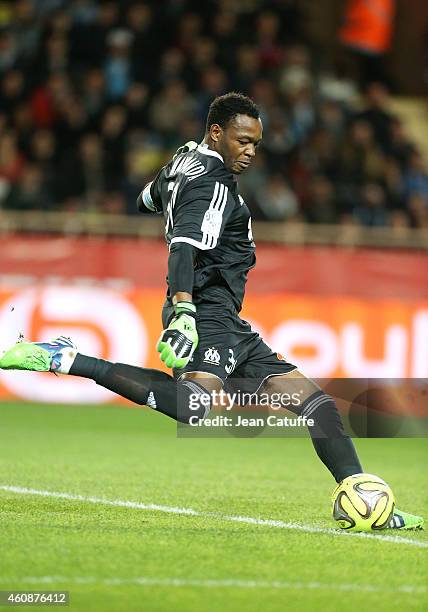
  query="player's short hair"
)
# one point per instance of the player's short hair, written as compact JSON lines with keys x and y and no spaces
{"x":224,"y":108}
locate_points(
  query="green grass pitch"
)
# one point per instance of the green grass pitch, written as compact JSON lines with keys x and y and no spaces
{"x":112,"y":557}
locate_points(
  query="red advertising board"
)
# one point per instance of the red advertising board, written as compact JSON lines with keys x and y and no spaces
{"x":351,"y":313}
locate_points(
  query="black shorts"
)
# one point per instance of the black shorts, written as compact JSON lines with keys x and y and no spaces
{"x":229,"y":349}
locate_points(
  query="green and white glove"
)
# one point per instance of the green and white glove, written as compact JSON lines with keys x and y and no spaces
{"x":191,"y":145}
{"x":180,"y":339}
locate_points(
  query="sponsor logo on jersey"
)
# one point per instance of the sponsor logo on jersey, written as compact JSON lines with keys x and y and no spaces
{"x":212,"y":356}
{"x":211,"y":223}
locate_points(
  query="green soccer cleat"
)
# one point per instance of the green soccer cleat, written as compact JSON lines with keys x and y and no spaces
{"x":404,"y":520}
{"x":55,"y":356}
{"x":26,"y":356}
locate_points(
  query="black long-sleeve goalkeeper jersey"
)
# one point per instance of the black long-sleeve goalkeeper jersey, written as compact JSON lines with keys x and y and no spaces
{"x":201,"y":205}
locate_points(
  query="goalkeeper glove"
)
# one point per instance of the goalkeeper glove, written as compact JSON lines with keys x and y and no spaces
{"x":191,"y":145}
{"x":180,"y":339}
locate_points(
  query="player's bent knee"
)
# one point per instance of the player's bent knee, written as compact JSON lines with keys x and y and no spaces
{"x":193,"y":402}
{"x":305,"y":398}
{"x":291,"y":391}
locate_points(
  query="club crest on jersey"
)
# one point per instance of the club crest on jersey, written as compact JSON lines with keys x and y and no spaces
{"x":212,"y":356}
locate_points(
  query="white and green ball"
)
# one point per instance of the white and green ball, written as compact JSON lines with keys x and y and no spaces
{"x":362,"y":502}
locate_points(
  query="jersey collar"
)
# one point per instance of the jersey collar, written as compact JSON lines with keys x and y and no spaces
{"x":203,"y":148}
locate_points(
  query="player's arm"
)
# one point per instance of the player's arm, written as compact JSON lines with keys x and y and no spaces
{"x":198,"y":218}
{"x":180,"y":339}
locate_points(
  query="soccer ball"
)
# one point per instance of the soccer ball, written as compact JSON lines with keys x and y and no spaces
{"x":362,"y":502}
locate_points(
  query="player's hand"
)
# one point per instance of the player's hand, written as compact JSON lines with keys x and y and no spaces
{"x":180,"y":339}
{"x":189,"y":146}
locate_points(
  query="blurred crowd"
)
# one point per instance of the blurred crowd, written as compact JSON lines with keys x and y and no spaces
{"x":95,"y":96}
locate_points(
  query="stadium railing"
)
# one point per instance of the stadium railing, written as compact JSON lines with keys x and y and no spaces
{"x":293,"y":233}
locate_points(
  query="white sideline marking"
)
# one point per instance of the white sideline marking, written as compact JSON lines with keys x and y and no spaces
{"x":224,"y":517}
{"x":236,"y":583}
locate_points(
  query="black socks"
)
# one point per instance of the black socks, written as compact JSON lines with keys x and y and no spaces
{"x":145,"y":386}
{"x":335,"y":449}
{"x":182,"y":401}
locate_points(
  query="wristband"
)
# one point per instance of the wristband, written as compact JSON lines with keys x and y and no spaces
{"x":185,"y":307}
{"x":146,"y":198}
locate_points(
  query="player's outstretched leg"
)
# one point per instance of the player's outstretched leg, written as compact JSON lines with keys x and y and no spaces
{"x":335,"y":449}
{"x":160,"y":391}
{"x":143,"y":386}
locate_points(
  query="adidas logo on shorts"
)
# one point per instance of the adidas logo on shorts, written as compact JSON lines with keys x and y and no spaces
{"x":151,"y":402}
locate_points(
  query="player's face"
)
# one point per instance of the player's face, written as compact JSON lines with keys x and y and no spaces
{"x":238,"y":142}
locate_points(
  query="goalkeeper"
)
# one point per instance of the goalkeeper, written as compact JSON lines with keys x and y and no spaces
{"x":205,"y":342}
